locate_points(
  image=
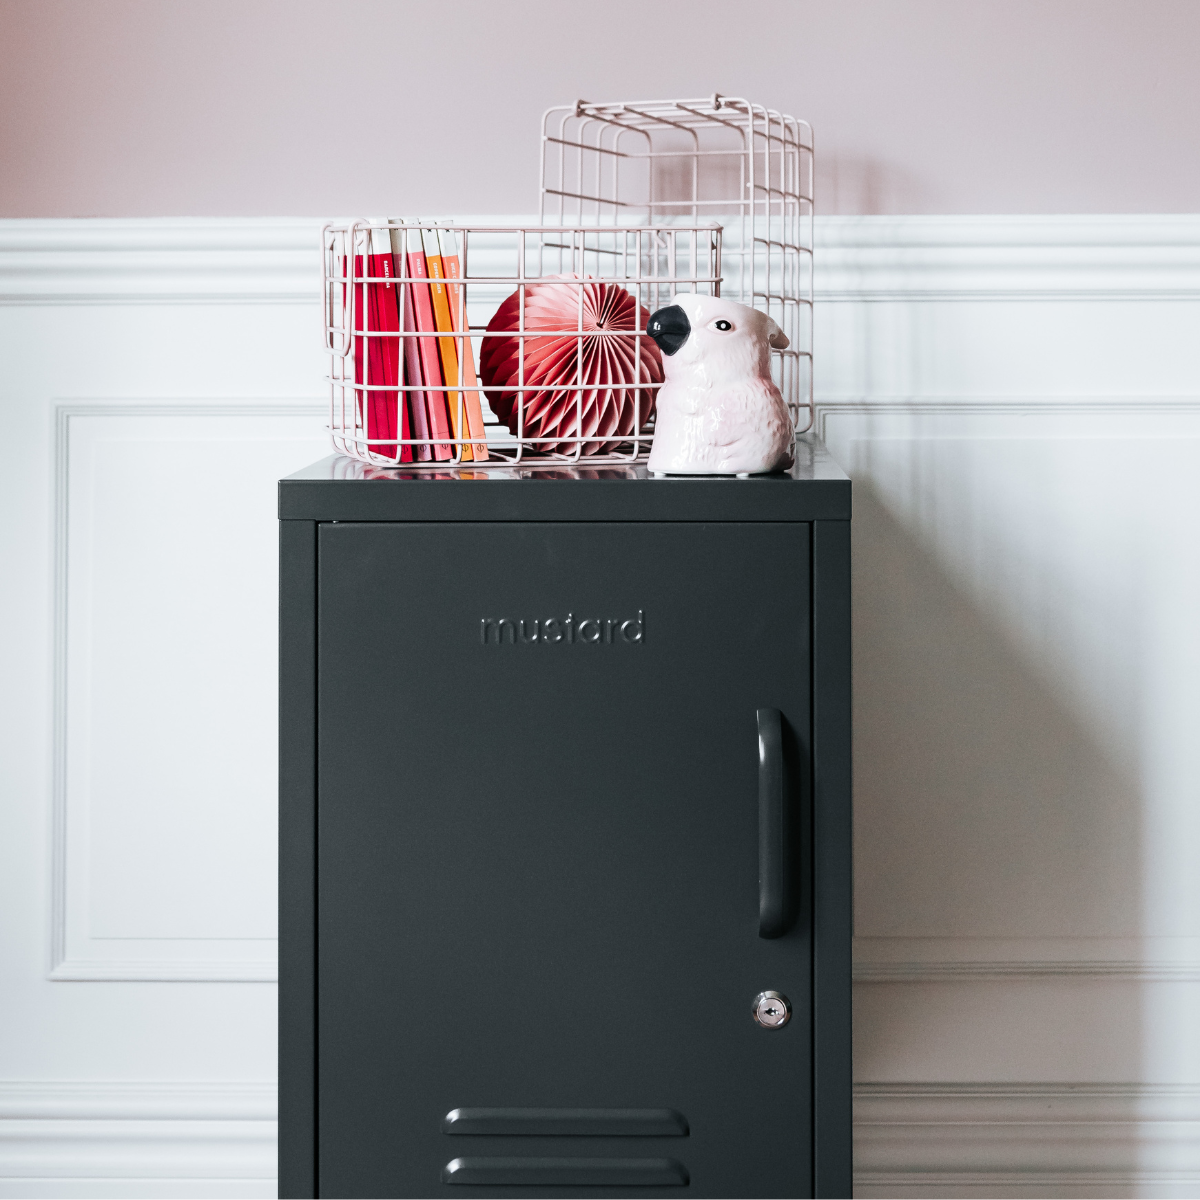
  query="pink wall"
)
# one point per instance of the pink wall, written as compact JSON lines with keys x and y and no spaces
{"x":306,"y":107}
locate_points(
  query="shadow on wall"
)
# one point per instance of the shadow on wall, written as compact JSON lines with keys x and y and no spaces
{"x":984,"y":806}
{"x":855,"y":185}
{"x":845,"y":184}
{"x":989,"y":816}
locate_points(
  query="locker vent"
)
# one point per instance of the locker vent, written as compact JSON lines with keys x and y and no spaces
{"x":565,"y":1172}
{"x":565,"y":1122}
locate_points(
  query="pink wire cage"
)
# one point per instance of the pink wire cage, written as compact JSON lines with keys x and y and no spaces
{"x":711,"y":196}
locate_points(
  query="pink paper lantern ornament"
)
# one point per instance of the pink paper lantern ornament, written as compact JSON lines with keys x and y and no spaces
{"x":583,"y":378}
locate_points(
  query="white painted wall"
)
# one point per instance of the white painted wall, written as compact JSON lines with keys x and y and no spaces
{"x":1018,"y":401}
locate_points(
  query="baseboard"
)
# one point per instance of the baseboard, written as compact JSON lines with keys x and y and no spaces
{"x":100,"y":1139}
{"x":1027,"y":1139}
{"x":104,"y":1139}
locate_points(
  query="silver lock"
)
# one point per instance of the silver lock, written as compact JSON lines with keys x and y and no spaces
{"x":772,"y":1010}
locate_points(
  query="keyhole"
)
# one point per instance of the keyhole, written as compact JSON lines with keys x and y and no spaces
{"x":772,"y":1010}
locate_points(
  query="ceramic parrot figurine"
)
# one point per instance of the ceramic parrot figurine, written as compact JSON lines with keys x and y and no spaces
{"x":719,"y":411}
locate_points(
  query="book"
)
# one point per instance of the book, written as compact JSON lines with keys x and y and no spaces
{"x":387,"y":415}
{"x":473,"y":410}
{"x":358,"y":328}
{"x":413,"y":402}
{"x":367,"y":367}
{"x":437,"y":413}
{"x":447,"y":350}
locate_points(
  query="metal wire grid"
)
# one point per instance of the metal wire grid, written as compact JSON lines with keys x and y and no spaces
{"x":652,"y":262}
{"x":663,"y":162}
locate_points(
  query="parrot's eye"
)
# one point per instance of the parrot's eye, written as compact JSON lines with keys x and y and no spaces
{"x":723,"y":325}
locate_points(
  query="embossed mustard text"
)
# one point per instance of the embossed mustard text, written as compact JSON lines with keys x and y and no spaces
{"x":551,"y":631}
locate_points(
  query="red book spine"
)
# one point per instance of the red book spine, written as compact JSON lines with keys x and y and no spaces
{"x":431,"y":368}
{"x":385,"y":413}
{"x":378,"y":424}
{"x":372,"y":415}
{"x":386,"y":407}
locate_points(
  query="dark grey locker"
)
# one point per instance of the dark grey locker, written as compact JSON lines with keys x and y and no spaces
{"x":564,"y":787}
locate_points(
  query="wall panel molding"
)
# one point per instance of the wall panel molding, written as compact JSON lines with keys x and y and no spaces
{"x":923,"y":420}
{"x":960,"y":960}
{"x":1008,"y":258}
{"x":1015,"y":415}
{"x":1014,"y":404}
{"x":159,"y":261}
{"x":1015,"y":969}
{"x":937,"y":258}
{"x":1026,"y":1139}
{"x":137,"y":959}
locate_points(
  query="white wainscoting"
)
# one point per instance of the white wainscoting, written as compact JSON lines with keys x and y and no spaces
{"x":1018,"y":401}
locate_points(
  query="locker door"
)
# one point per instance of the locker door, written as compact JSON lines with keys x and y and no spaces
{"x":539,"y":846}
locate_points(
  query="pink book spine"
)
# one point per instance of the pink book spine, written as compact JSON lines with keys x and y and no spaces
{"x":358,"y":325}
{"x":394,"y":370}
{"x":413,"y":403}
{"x":412,"y":374}
{"x":431,"y":367}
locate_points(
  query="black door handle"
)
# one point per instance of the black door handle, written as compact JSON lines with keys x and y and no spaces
{"x":774,"y":828}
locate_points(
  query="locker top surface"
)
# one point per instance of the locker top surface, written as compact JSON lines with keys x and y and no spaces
{"x":343,"y":489}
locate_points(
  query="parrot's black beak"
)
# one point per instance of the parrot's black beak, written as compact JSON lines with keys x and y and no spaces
{"x":669,"y":327}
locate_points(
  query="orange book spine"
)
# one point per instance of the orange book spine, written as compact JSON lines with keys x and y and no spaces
{"x":472,"y":408}
{"x":446,"y":346}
